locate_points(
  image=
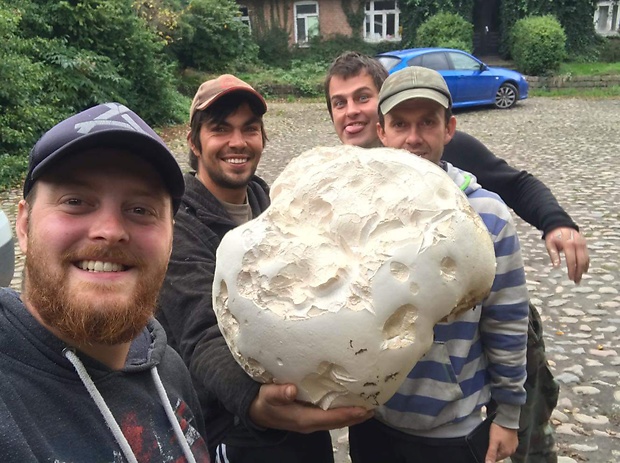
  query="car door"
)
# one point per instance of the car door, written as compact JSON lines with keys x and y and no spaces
{"x":438,"y":60}
{"x":474,"y":82}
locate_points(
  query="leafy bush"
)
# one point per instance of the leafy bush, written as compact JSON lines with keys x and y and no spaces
{"x":610,"y":50}
{"x":97,"y":51}
{"x":211,"y":38}
{"x":25,"y":111}
{"x":325,"y":50}
{"x":538,"y":44}
{"x":446,"y":30}
{"x":273,"y":47}
{"x":12,"y":170}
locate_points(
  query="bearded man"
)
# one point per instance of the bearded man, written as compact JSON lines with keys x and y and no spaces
{"x":85,"y":371}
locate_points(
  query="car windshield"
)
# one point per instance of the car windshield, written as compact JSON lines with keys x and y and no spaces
{"x":388,"y":62}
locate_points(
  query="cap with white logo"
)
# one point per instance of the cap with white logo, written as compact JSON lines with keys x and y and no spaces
{"x":109,"y":125}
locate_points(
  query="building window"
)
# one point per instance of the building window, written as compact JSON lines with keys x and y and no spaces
{"x":244,"y":16}
{"x":606,"y":18}
{"x":306,"y":21}
{"x":382,"y":21}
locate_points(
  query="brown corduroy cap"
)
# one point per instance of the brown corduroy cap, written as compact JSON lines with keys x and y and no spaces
{"x":413,"y":82}
{"x":211,"y":90}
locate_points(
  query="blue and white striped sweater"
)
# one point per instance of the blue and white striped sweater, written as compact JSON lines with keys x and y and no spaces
{"x":479,"y":355}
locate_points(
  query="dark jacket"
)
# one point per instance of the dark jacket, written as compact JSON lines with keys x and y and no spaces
{"x":522,"y":192}
{"x":186,"y":312}
{"x":47,"y":414}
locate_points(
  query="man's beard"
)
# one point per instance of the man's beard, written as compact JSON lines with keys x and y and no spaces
{"x":101,"y":318}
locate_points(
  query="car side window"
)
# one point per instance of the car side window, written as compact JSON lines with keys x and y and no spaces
{"x":463,"y":62}
{"x":417,"y":61}
{"x":436,"y":61}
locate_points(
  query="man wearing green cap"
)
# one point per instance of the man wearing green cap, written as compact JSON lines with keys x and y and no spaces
{"x":436,"y":414}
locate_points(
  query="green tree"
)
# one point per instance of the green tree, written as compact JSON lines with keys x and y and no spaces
{"x":101,"y":50}
{"x":211,"y":37}
{"x":24,"y":110}
{"x":448,"y":30}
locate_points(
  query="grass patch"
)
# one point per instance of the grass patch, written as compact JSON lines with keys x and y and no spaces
{"x":603,"y":92}
{"x":589,"y":69}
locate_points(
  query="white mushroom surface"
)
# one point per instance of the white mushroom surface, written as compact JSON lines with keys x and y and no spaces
{"x":337,"y":286}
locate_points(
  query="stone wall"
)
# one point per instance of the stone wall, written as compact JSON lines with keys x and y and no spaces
{"x":568,"y":81}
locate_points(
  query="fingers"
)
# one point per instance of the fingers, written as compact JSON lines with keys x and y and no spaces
{"x":275,"y":407}
{"x":502,"y":443}
{"x":575,"y":251}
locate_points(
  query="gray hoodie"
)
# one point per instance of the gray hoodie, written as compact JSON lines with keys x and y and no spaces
{"x":63,"y":406}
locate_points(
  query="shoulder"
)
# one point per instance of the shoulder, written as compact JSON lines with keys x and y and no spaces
{"x":493,"y":211}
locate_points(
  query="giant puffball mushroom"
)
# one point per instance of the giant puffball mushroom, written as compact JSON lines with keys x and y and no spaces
{"x":337,"y":286}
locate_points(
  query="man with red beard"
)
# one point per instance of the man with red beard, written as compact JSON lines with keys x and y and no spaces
{"x":85,"y":371}
{"x":246,"y":421}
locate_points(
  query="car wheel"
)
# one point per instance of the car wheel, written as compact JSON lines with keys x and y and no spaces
{"x":506,"y":96}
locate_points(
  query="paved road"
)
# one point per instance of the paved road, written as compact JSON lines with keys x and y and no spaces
{"x":573,"y":145}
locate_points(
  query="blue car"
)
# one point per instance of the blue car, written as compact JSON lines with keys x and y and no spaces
{"x":471,"y":82}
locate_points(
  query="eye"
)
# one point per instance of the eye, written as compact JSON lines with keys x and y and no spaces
{"x":364,"y":98}
{"x":338,"y":104}
{"x":74,"y":202}
{"x":143,"y":211}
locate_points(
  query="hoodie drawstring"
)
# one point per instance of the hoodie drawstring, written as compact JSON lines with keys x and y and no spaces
{"x":111,"y":421}
{"x":171,"y":417}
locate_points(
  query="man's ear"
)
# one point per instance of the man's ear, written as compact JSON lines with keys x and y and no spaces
{"x":450,"y":129}
{"x":192,"y":147}
{"x":21,"y":224}
{"x":381,"y":133}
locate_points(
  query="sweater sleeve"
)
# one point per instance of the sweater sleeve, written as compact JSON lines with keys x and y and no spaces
{"x":186,"y":312}
{"x":504,"y":316}
{"x":521,"y":191}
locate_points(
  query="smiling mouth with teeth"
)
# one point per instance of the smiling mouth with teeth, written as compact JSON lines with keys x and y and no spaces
{"x":99,"y":266}
{"x":236,"y":160}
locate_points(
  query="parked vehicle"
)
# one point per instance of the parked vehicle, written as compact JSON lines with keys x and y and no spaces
{"x":471,"y":82}
{"x":7,"y":252}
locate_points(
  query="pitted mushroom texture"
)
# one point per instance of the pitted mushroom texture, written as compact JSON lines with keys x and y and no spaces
{"x":338,"y":285}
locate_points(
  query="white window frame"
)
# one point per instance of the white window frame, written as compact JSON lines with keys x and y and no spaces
{"x":305,"y":17}
{"x":371,"y":13}
{"x":610,"y":27}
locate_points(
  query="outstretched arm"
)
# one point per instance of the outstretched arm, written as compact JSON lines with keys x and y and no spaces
{"x":527,"y":196}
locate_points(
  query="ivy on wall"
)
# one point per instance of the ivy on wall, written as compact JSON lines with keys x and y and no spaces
{"x":355,"y":13}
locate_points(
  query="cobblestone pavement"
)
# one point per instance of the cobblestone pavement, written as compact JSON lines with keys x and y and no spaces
{"x":573,"y":145}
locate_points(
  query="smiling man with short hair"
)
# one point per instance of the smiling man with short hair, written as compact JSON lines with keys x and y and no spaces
{"x":86,"y":374}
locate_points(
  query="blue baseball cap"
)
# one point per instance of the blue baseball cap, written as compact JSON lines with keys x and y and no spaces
{"x":109,"y":125}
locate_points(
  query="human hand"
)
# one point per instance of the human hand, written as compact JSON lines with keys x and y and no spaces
{"x":275,"y":407}
{"x":575,"y":251}
{"x":502,"y":443}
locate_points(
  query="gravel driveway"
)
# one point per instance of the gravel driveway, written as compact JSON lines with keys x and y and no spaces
{"x":573,"y":145}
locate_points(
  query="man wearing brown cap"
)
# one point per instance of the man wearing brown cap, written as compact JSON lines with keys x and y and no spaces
{"x":246,"y":421}
{"x":85,"y":371}
{"x":436,"y":414}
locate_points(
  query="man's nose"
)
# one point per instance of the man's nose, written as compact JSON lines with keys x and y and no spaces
{"x":413,"y":136}
{"x":109,"y":224}
{"x":237,"y":139}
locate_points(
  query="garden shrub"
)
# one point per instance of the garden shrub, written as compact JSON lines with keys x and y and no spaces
{"x":211,"y":37}
{"x":610,"y":50}
{"x":273,"y":48}
{"x":446,"y":30}
{"x":98,"y":51}
{"x":538,"y":44}
{"x":25,"y":112}
{"x":325,"y":49}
